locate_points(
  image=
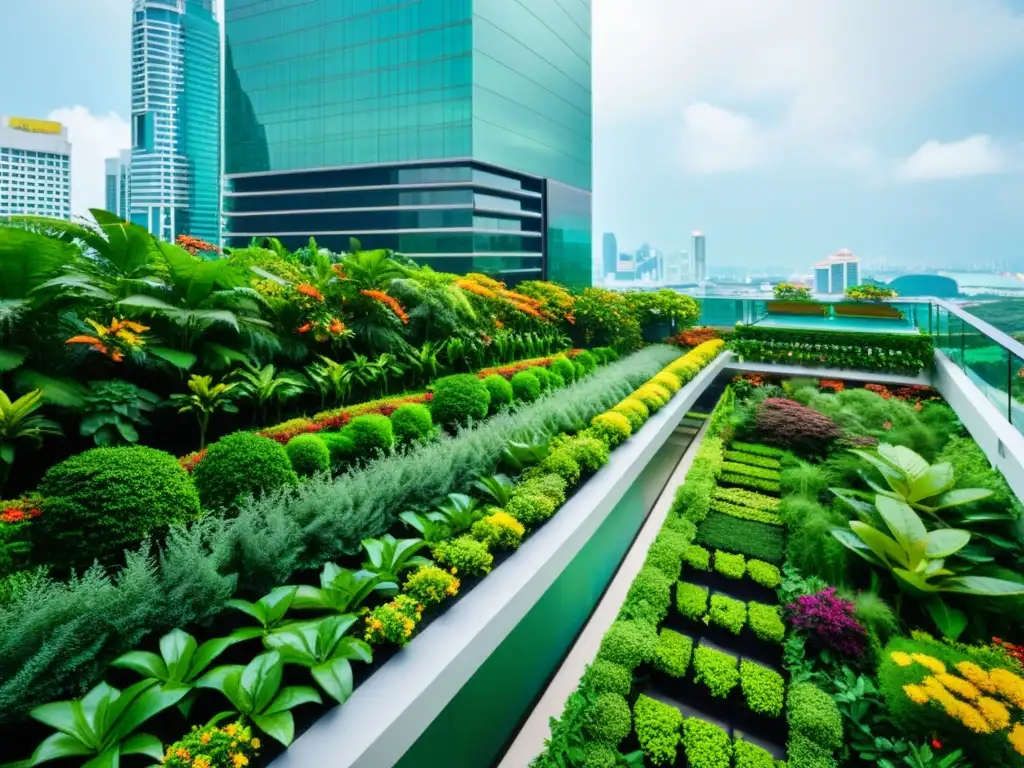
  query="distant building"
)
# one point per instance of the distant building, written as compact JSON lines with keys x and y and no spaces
{"x":676,"y":268}
{"x":35,"y":168}
{"x":610,"y":254}
{"x":838,"y":272}
{"x":698,"y":258}
{"x":118,"y":186}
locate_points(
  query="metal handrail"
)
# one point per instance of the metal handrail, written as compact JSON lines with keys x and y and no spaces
{"x":999,"y":337}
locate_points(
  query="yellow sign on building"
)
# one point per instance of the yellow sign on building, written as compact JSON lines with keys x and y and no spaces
{"x":35,"y":126}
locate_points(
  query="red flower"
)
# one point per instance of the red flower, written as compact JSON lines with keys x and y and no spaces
{"x":936,"y":744}
{"x":308,"y":290}
{"x":12,"y":516}
{"x":304,"y":328}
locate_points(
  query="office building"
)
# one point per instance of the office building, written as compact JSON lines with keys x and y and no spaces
{"x":610,"y":254}
{"x":677,"y":269}
{"x":35,"y":168}
{"x":838,"y":272}
{"x":175,"y":158}
{"x":457,"y":132}
{"x":698,"y":258}
{"x":119,"y":184}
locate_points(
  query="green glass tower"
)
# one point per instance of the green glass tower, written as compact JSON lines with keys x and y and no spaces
{"x":457,"y":132}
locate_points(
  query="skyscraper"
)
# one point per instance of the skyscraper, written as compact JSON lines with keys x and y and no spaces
{"x":699,"y":267}
{"x":118,"y":179}
{"x":838,"y":272}
{"x":457,"y":132}
{"x":610,"y":254}
{"x":35,"y":168}
{"x":175,"y":161}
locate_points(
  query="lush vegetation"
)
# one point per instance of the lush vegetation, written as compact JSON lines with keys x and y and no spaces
{"x":869,"y":292}
{"x":792,"y":292}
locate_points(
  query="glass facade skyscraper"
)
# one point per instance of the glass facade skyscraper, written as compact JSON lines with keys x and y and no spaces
{"x":175,"y":161}
{"x":118,"y":178}
{"x":454,"y":131}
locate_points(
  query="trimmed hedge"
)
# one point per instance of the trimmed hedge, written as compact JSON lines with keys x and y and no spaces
{"x":691,"y":600}
{"x":308,"y":455}
{"x":673,"y":652}
{"x":412,"y":423}
{"x":657,"y":729}
{"x":459,"y":398}
{"x":757,"y":540}
{"x":242,"y":464}
{"x":706,"y":745}
{"x":757,"y":483}
{"x":812,"y":713}
{"x":759,"y":449}
{"x":526,"y":387}
{"x":763,"y":688}
{"x":716,"y":670}
{"x":752,"y":459}
{"x":370,"y":436}
{"x":500,"y":391}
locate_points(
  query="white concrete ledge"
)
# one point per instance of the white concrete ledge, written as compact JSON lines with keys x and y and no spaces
{"x":389,"y":712}
{"x":850,"y":374}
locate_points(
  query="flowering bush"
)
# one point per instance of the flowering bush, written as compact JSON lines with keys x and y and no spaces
{"x":869,"y":292}
{"x":831,"y":385}
{"x":431,"y":585}
{"x":196,"y":245}
{"x":789,"y":424}
{"x":1015,"y":652}
{"x":693,"y":337}
{"x":232,"y":746}
{"x":14,"y":529}
{"x":829,"y":620}
{"x":393,"y":622}
{"x":792,"y":292}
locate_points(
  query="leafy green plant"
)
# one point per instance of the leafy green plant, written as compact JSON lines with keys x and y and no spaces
{"x":716,"y":670}
{"x":751,"y":756}
{"x":801,"y":752}
{"x":255,"y":691}
{"x":500,"y":391}
{"x":308,"y":455}
{"x":206,"y":399}
{"x":412,"y":423}
{"x":672,"y":654}
{"x":697,"y":557}
{"x":691,"y":600}
{"x":749,"y":499}
{"x":657,"y":728}
{"x":18,"y":421}
{"x":114,"y":410}
{"x":652,"y":587}
{"x":241,"y":464}
{"x":459,"y":399}
{"x":812,"y":713}
{"x":608,"y":677}
{"x":432,"y":529}
{"x":765,"y":622}
{"x":745,"y":513}
{"x":388,"y":556}
{"x":393,"y":622}
{"x":732,"y":467}
{"x":666,"y":552}
{"x":728,"y":613}
{"x":264,"y":387}
{"x":499,"y":530}
{"x":530,"y":509}
{"x":526,"y":387}
{"x":705,"y":745}
{"x":753,"y":459}
{"x":763,"y":688}
{"x":341,"y":590}
{"x":765,"y":574}
{"x":464,"y":555}
{"x":497,"y":488}
{"x":730,"y":566}
{"x":756,"y":483}
{"x":269,"y":612}
{"x":629,"y":643}
{"x":519,"y":455}
{"x":325,"y":648}
{"x":459,"y":512}
{"x":430,"y":585}
{"x":608,"y":719}
{"x":752,"y":539}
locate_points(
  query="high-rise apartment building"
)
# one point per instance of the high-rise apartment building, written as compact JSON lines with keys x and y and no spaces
{"x":175,"y":161}
{"x":699,"y":264}
{"x":35,"y":168}
{"x":118,"y":184}
{"x":838,"y":272}
{"x":457,"y":132}
{"x":610,"y":254}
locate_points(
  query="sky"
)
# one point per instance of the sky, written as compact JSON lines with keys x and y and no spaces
{"x":784,"y":130}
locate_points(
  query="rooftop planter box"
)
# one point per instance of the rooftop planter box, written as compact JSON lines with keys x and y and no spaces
{"x":868,"y":309}
{"x":797,"y":308}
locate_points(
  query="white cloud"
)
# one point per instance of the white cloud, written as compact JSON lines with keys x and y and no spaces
{"x":93,"y":138}
{"x":716,"y":140}
{"x":974,"y":156}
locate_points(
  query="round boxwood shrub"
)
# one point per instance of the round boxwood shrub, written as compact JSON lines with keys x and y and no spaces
{"x":614,"y":428}
{"x":371,"y":435}
{"x":560,"y":462}
{"x":608,"y":677}
{"x":459,"y":398}
{"x":590,"y":451}
{"x":669,"y":381}
{"x":597,"y":754}
{"x":635,"y":411}
{"x":339,"y":445}
{"x":543,"y":376}
{"x":563,"y":367}
{"x":525,"y":386}
{"x":106,"y":499}
{"x":411,"y":423}
{"x":531,"y":509}
{"x":587,"y":360}
{"x":580,"y":370}
{"x":608,"y":719}
{"x":308,"y":454}
{"x":500,"y":391}
{"x":240,"y":464}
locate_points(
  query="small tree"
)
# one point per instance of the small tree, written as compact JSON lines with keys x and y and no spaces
{"x":19,"y":422}
{"x":206,"y":399}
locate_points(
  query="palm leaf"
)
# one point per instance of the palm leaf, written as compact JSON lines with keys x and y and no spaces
{"x":27,"y":260}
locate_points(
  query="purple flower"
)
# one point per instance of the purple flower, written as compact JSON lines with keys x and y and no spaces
{"x":830,"y":620}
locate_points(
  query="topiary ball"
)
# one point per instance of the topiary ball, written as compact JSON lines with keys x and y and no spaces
{"x":557,"y":382}
{"x":580,"y":370}
{"x":339,"y":445}
{"x":525,"y":386}
{"x":543,"y":376}
{"x":106,"y":499}
{"x":371,"y":435}
{"x":587,"y":360}
{"x":241,"y":464}
{"x":459,"y":398}
{"x":308,"y":455}
{"x":614,"y":428}
{"x":564,"y":368}
{"x":500,"y":391}
{"x":412,"y":423}
{"x":635,"y":411}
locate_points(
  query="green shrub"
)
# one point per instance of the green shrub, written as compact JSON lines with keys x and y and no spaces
{"x":759,"y":449}
{"x":634,"y":410}
{"x":591,"y":453}
{"x":371,"y":435}
{"x":691,"y":600}
{"x":751,"y":756}
{"x":531,"y":509}
{"x":811,"y":547}
{"x":749,"y":538}
{"x":525,"y":387}
{"x":813,"y":713}
{"x":628,"y":643}
{"x":763,"y":688}
{"x":608,"y":677}
{"x":500,"y":391}
{"x":308,"y":454}
{"x":768,"y":486}
{"x":706,"y":745}
{"x":809,"y":480}
{"x":672,"y":654}
{"x":745,"y":513}
{"x":563,"y":367}
{"x":465,"y":554}
{"x":766,"y":622}
{"x":459,"y":398}
{"x":605,"y":355}
{"x":730,"y":566}
{"x":693,"y":497}
{"x":801,"y":752}
{"x":654,"y":587}
{"x":543,"y":376}
{"x":551,"y":485}
{"x":748,"y":499}
{"x":241,"y":464}
{"x":753,"y":459}
{"x":765,"y":574}
{"x":106,"y":499}
{"x":612,"y":427}
{"x":666,"y":552}
{"x":412,"y":423}
{"x":680,"y":524}
{"x":697,"y":557}
{"x":499,"y":530}
{"x":580,"y":370}
{"x":430,"y":585}
{"x":608,"y":719}
{"x":745,"y":469}
{"x":339,"y":446}
{"x":654,"y":396}
{"x":728,"y":613}
{"x":560,"y":462}
{"x":717,"y":670}
{"x":657,"y":729}
{"x":597,"y":754}
{"x":587,"y":360}
{"x":556,"y":381}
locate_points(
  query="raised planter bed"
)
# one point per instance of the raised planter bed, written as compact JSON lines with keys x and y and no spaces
{"x":882,"y":311}
{"x":797,"y":308}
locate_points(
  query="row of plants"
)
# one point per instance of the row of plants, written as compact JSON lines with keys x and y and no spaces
{"x":866,"y":292}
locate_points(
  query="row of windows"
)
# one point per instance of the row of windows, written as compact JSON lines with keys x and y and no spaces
{"x":424,"y":243}
{"x":370,"y":221}
{"x":7,"y":152}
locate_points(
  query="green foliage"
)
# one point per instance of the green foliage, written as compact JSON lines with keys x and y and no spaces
{"x":763,"y":688}
{"x":765,"y":574}
{"x":562,"y":462}
{"x":757,"y":540}
{"x":113,"y":411}
{"x":18,"y":421}
{"x":591,"y":453}
{"x":628,"y":643}
{"x":393,"y":622}
{"x":217,"y":745}
{"x":875,"y":613}
{"x":705,"y":745}
{"x":608,"y":677}
{"x":206,"y":399}
{"x":308,"y":454}
{"x":745,"y":513}
{"x":608,"y":719}
{"x":635,"y":411}
{"x":745,"y":469}
{"x":730,"y":566}
{"x":525,"y":386}
{"x":693,"y":497}
{"x":597,"y":754}
{"x":657,"y":728}
{"x":531,"y":509}
{"x":550,"y":485}
{"x":459,"y":399}
{"x":753,"y":459}
{"x":758,"y":449}
{"x":749,"y":499}
{"x":766,"y":622}
{"x":370,"y":435}
{"x":812,"y":713}
{"x":691,"y":600}
{"x":666,"y":552}
{"x":680,"y":524}
{"x":751,"y":756}
{"x":653,"y":587}
{"x":804,"y":753}
{"x":612,"y":427}
{"x":500,"y":390}
{"x":697,"y":557}
{"x":543,"y":376}
{"x":808,"y":480}
{"x":241,"y":464}
{"x":430,"y":585}
{"x":562,"y":366}
{"x":672,"y":654}
{"x":587,"y":360}
{"x":728,"y":613}
{"x":716,"y":670}
{"x":465,"y":554}
{"x":499,"y":530}
{"x":811,"y":546}
{"x":106,"y":499}
{"x":411,"y":423}
{"x":756,"y":483}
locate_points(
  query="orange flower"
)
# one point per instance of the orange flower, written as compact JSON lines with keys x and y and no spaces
{"x":308,"y":290}
{"x":479,"y":290}
{"x":195,"y":245}
{"x":336,"y":326}
{"x":339,"y":272}
{"x":526,"y":309}
{"x":389,"y":301}
{"x":498,"y":323}
{"x":304,"y":328}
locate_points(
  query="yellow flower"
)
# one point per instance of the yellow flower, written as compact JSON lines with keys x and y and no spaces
{"x":255,"y":743}
{"x":201,"y":762}
{"x":234,"y":743}
{"x":960,"y":687}
{"x":454,"y":571}
{"x":995,"y":712}
{"x":183,"y":754}
{"x":239,"y":760}
{"x":1009,"y":686}
{"x":1017,"y":739}
{"x":970,"y":717}
{"x":937,"y":692}
{"x":976,"y":675}
{"x":932,"y":664}
{"x":205,"y":738}
{"x":231,"y":729}
{"x":901,"y":658}
{"x":916,"y":694}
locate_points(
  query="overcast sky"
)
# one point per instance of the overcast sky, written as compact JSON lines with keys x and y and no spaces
{"x":784,"y":129}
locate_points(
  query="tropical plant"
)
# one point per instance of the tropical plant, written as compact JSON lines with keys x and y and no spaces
{"x":206,"y":399}
{"x":255,"y":691}
{"x":18,"y":421}
{"x":114,"y":409}
{"x":341,"y":590}
{"x":432,"y":529}
{"x":330,"y":379}
{"x":459,"y":512}
{"x":389,"y":556}
{"x":264,"y":386}
{"x":269,"y":612}
{"x":498,"y":488}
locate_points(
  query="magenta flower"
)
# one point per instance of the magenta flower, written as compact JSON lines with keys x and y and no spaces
{"x":829,"y":619}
